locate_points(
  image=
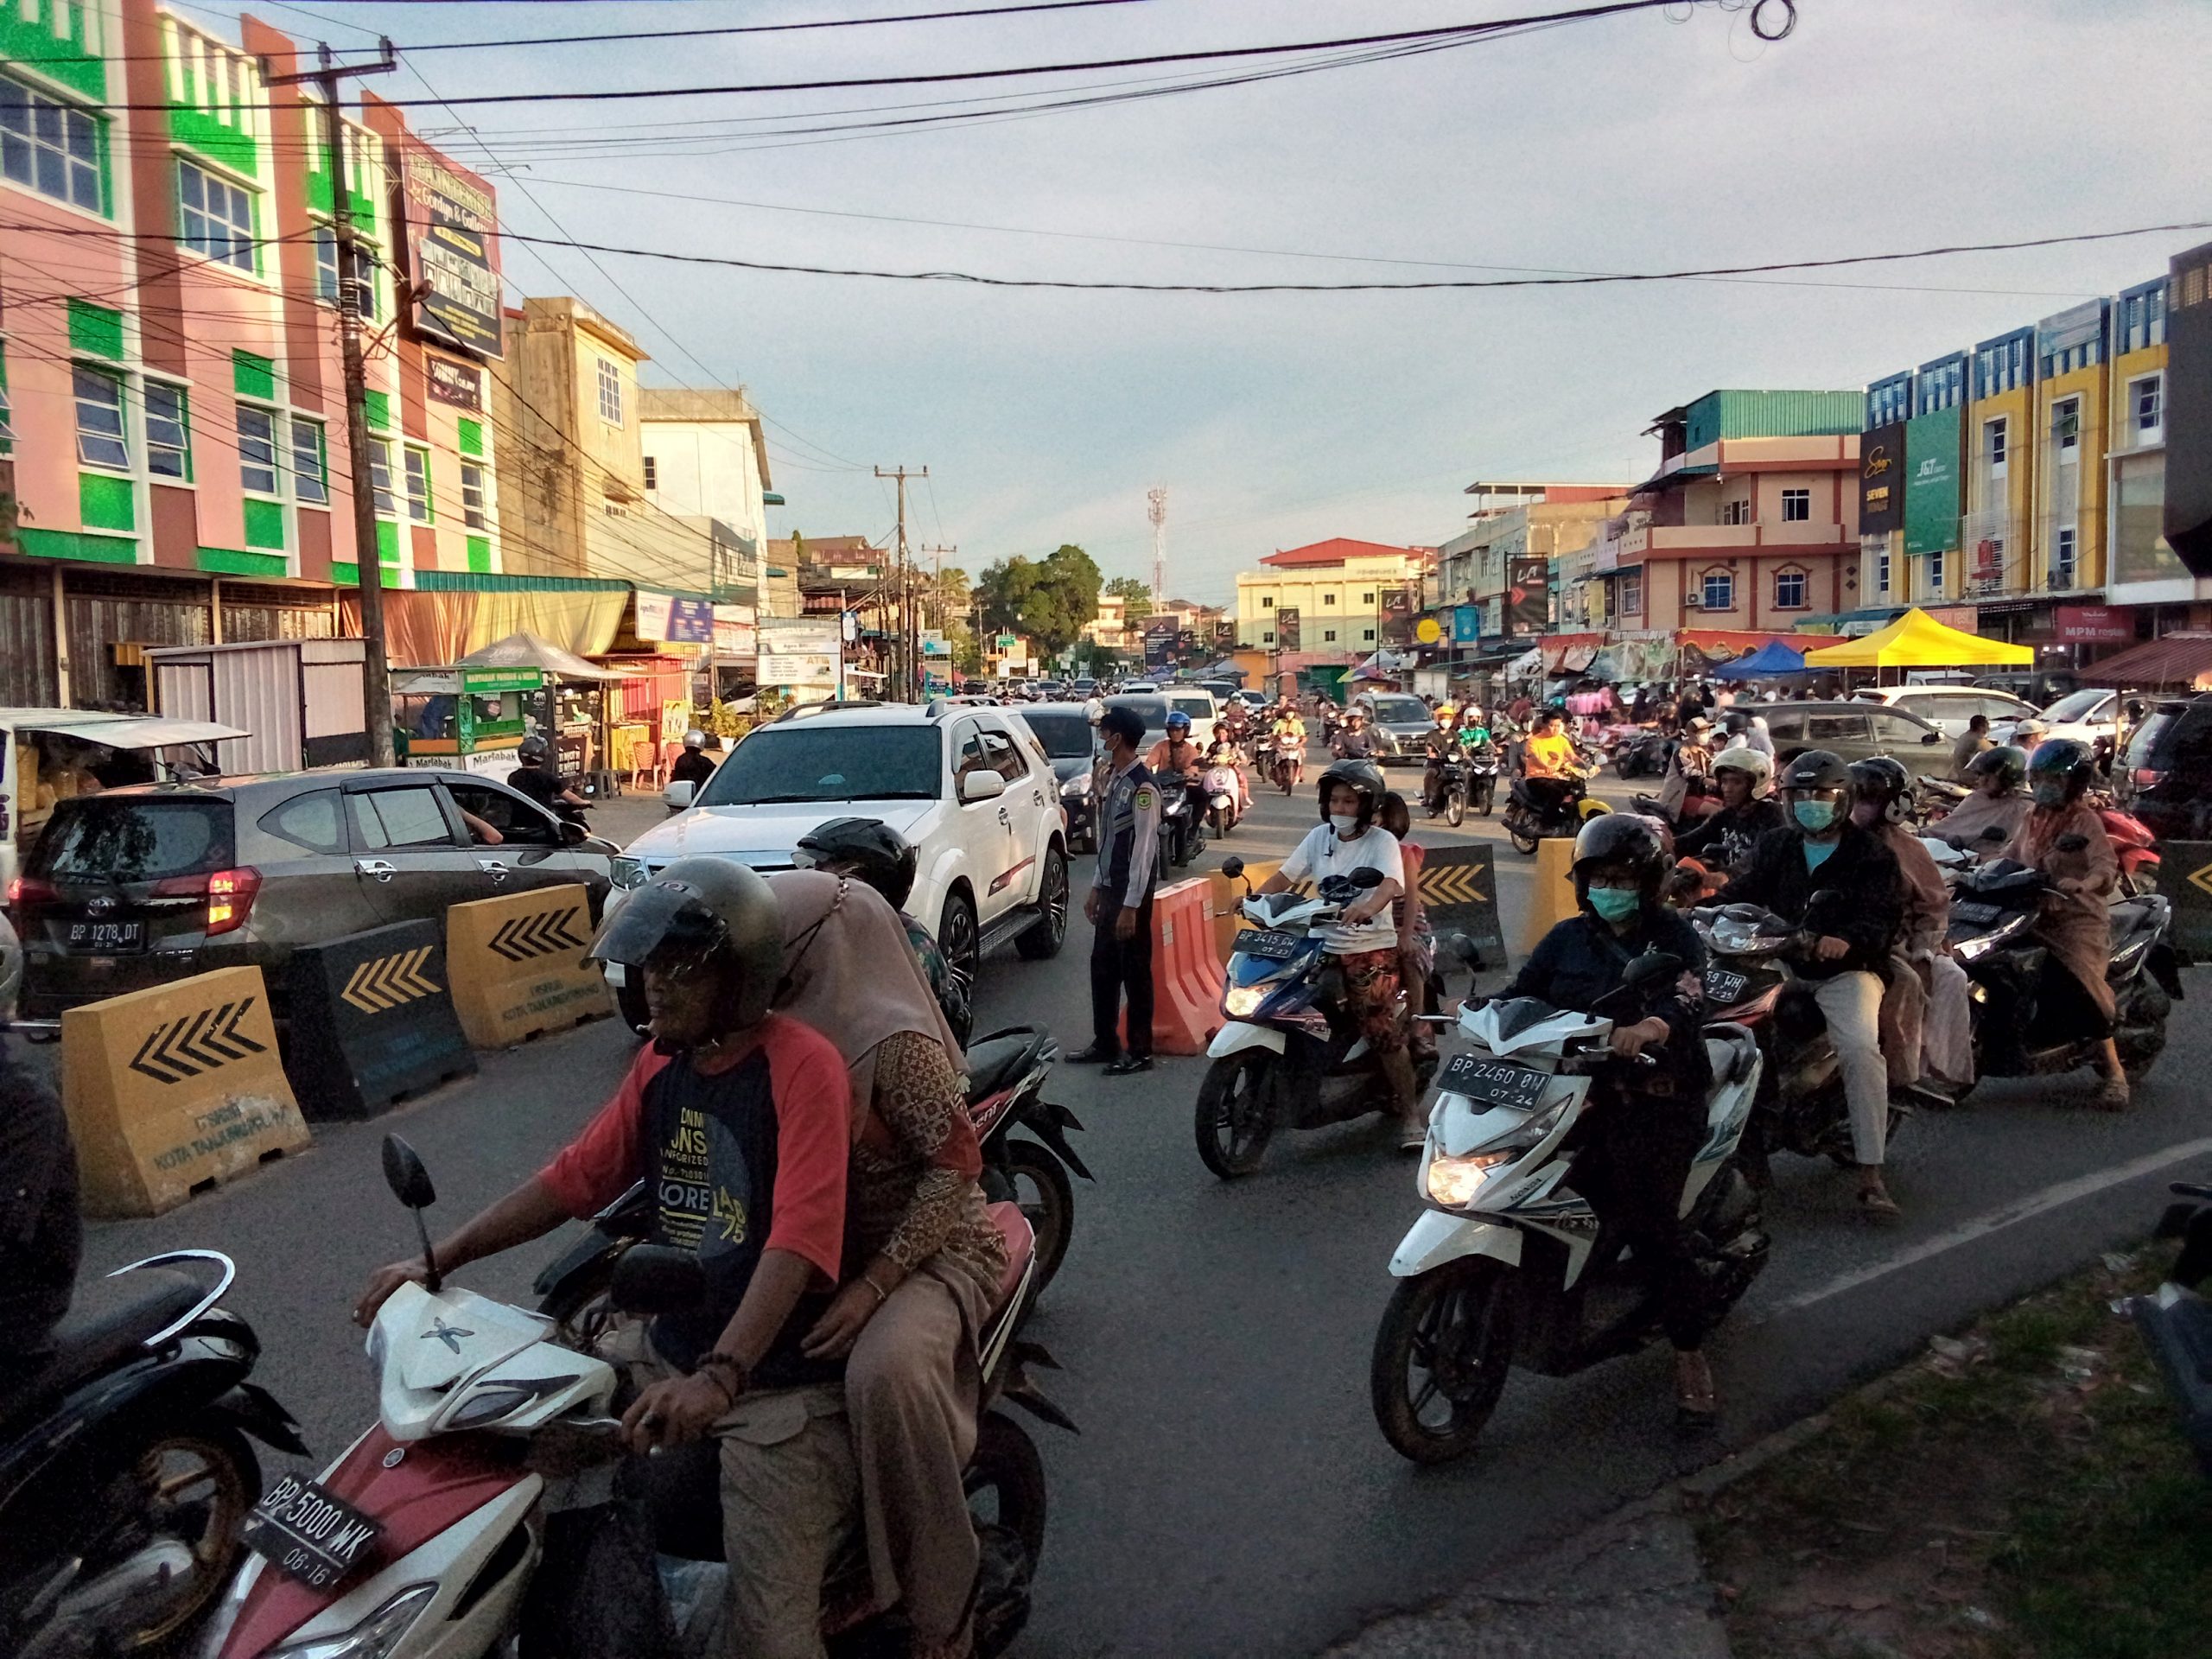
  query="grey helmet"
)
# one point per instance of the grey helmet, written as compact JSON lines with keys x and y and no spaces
{"x":703,"y":907}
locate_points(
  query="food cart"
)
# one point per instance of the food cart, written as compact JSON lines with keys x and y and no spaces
{"x":467,"y":717}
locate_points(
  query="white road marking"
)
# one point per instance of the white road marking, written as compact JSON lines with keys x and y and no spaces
{"x":2035,"y":1204}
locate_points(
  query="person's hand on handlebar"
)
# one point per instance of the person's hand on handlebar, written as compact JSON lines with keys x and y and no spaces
{"x":1629,"y":1041}
{"x":1828,"y":948}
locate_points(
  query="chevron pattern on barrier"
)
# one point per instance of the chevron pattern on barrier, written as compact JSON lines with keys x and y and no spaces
{"x":194,"y":1043}
{"x":541,"y":935}
{"x":387,"y":982}
{"x":1452,"y":884}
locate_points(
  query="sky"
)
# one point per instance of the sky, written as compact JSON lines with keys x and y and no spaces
{"x":1652,"y":141}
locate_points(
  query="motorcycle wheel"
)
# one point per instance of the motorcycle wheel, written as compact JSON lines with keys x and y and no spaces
{"x":1006,"y":1504}
{"x":1236,"y":1113}
{"x":1524,"y":842}
{"x":1441,"y":1353}
{"x":1485,"y":799}
{"x":1047,"y":1198}
{"x":1455,"y":806}
{"x":1622,"y":768}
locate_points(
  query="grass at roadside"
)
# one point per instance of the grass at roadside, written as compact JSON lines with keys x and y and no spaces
{"x":2021,"y":1493}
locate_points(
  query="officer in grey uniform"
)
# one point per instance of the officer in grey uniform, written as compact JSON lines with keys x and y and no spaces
{"x":1119,"y":905}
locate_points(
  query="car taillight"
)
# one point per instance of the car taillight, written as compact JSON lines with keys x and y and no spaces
{"x":24,"y":890}
{"x":2147,"y":775}
{"x":230,"y":897}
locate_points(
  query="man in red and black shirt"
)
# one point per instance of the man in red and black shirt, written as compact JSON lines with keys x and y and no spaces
{"x":739,"y":1122}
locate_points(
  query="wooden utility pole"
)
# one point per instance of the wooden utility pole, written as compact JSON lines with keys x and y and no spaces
{"x":368,"y":560}
{"x":937,"y":569}
{"x":904,"y":670}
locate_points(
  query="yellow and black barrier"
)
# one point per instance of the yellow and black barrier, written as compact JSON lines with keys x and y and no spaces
{"x":517,"y":965}
{"x":370,"y":1021}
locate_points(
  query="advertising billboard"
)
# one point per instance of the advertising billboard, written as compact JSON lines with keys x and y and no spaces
{"x":2188,"y":393}
{"x":2095,"y":625}
{"x":1159,"y":638}
{"x":451,"y":218}
{"x":1881,"y":479}
{"x":1286,"y":628}
{"x":1528,"y":596}
{"x":1931,"y":484}
{"x":1466,"y":625}
{"x":1395,"y":625}
{"x":797,"y":650}
{"x":669,"y":620}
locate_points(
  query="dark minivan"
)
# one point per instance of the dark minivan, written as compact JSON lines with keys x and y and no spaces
{"x":134,"y":887}
{"x":1065,"y":732}
{"x":2166,"y":774}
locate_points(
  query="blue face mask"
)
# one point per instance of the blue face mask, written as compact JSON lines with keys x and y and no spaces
{"x":1615,"y":904}
{"x":1816,"y":816}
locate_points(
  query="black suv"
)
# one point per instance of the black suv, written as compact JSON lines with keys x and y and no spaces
{"x":2166,"y":774}
{"x":138,"y":886}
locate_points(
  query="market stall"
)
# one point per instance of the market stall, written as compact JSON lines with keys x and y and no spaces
{"x":571,"y":707}
{"x":470,"y":716}
{"x":1918,"y":640}
{"x":1771,"y":661}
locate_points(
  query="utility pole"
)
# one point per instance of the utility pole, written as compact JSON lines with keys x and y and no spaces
{"x":908,"y":682}
{"x":937,"y":570}
{"x":368,"y":560}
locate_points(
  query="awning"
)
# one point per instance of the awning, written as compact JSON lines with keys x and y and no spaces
{"x":527,"y":650}
{"x":153,"y":732}
{"x":2174,"y":662}
{"x":1771,"y":658}
{"x":1918,"y":640}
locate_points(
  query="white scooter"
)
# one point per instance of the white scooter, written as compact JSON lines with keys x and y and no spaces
{"x":1508,"y":1265}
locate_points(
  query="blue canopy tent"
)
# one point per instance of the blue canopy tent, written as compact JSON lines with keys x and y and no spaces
{"x":1770,"y":659}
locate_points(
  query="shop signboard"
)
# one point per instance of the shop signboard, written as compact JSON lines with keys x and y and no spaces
{"x":1287,"y":630}
{"x":1159,"y":637}
{"x":1881,"y":479}
{"x":2095,"y":625}
{"x":1528,"y":596}
{"x":2187,"y":509}
{"x":797,"y":650}
{"x":1394,"y":624}
{"x":460,"y":384}
{"x":734,"y":636}
{"x":452,"y":223}
{"x":934,"y":644}
{"x":1466,"y":625}
{"x":1931,"y":485}
{"x":670,"y":619}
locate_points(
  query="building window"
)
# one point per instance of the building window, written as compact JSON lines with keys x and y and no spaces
{"x":652,"y":474}
{"x":1267,"y":604}
{"x":1992,"y":447}
{"x":1717,"y":591}
{"x":610,"y":392}
{"x":1790,"y":590}
{"x":418,"y":484}
{"x":1736,"y":512}
{"x":472,"y":494}
{"x":2149,"y":401}
{"x":380,"y":478}
{"x":217,"y":217}
{"x":99,"y":420}
{"x":2062,"y":559}
{"x":1266,"y":638}
{"x":363,"y":285}
{"x":1796,"y":506}
{"x":257,"y":450}
{"x":1328,"y":599}
{"x":1329,"y":635}
{"x":1370,"y":634}
{"x":7,"y":424}
{"x":1882,"y":571}
{"x":2066,"y":428}
{"x":168,"y":438}
{"x":1632,"y":595}
{"x":1935,"y":573}
{"x":49,"y":147}
{"x":1366,"y":598}
{"x":311,"y":476}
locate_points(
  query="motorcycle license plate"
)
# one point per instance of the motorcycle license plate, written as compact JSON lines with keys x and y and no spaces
{"x":1976,"y":915}
{"x":1498,"y":1082}
{"x":1274,"y":946}
{"x":1723,"y":986}
{"x":306,"y":1534}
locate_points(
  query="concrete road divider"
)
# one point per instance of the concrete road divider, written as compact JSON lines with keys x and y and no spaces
{"x":1225,"y":895}
{"x":1551,"y":896}
{"x":2185,"y":877}
{"x":174,"y":1088}
{"x":517,"y":965}
{"x":1459,"y":892}
{"x":372,"y":1022}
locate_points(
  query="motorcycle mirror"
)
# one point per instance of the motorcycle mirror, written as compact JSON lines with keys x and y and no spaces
{"x":1651,"y":968}
{"x":1366,"y":880}
{"x":404,"y":1172}
{"x":2073,"y":843}
{"x":1994,"y":833}
{"x":657,"y":1279}
{"x":1232,"y":868}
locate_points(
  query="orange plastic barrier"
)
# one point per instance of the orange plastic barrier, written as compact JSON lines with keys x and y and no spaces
{"x":1186,"y":975}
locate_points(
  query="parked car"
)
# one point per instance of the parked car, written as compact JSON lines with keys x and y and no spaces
{"x":137,"y":886}
{"x":1136,"y":688}
{"x":2166,"y":772}
{"x":1406,"y":718}
{"x":2085,"y":715}
{"x":1854,"y":730}
{"x":1071,"y":745}
{"x":1948,"y":708}
{"x":2040,"y":686}
{"x":965,"y":784}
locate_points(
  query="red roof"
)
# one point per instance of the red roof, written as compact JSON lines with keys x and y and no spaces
{"x":1336,"y":550}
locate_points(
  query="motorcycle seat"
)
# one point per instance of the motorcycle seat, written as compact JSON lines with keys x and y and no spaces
{"x":107,"y":1319}
{"x":1002,"y":1059}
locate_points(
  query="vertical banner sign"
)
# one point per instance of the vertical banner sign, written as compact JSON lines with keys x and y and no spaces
{"x":1286,"y":628}
{"x":1466,"y":625}
{"x":1528,"y":597}
{"x":1394,"y":624}
{"x":1931,"y":489}
{"x":451,"y":218}
{"x":1159,"y":634}
{"x":2188,"y":391}
{"x":1881,"y":479}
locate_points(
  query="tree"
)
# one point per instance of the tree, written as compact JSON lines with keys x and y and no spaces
{"x":1135,"y":594}
{"x":1049,"y":600}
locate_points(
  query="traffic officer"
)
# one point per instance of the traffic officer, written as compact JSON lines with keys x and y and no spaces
{"x":1120,"y":904}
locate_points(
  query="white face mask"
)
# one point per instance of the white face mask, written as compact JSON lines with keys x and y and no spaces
{"x":1344,"y":823}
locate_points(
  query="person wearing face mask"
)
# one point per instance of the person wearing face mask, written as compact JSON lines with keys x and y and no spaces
{"x":1990,"y":817}
{"x":2064,"y":838}
{"x":1634,"y":1150}
{"x":1824,"y":873}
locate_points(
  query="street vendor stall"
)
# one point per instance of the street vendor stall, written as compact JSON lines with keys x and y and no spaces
{"x":469,"y":717}
{"x":1771,"y":661}
{"x":570,"y":708}
{"x":1918,"y":640}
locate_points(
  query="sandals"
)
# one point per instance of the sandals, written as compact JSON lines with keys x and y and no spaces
{"x":1696,"y":1410}
{"x":1877,"y":1205}
{"x":2112,"y":1094}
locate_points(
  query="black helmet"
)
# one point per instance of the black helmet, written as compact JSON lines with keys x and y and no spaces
{"x":2005,"y":761}
{"x":1736,"y":720}
{"x":532,"y":750}
{"x":1621,"y":838}
{"x":701,"y":908}
{"x":875,"y":852}
{"x":1363,"y":776}
{"x":1885,"y":782}
{"x":2062,"y":761}
{"x":1815,"y":769}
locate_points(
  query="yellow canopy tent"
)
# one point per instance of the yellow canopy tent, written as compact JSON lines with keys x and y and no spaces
{"x":1918,"y":640}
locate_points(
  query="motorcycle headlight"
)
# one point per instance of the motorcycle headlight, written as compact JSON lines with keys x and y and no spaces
{"x":626,"y":872}
{"x":1244,"y":1000}
{"x":374,"y":1636}
{"x":1975,"y":948}
{"x":1454,"y":1181}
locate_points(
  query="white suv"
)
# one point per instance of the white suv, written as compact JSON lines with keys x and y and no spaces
{"x":969,"y":786}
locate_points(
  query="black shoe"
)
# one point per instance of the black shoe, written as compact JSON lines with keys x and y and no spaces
{"x":1129,"y":1066}
{"x":1093,"y":1056}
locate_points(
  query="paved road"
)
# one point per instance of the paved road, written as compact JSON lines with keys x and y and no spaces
{"x":1229,"y":1493}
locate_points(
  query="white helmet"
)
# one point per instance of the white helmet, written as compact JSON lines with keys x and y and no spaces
{"x":694,"y":739}
{"x":1750,"y":761}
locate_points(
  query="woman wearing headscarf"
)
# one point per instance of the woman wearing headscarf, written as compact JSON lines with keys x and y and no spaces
{"x":923,"y":1258}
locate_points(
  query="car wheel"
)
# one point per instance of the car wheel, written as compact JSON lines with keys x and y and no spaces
{"x":1043,"y":940}
{"x":955,"y":936}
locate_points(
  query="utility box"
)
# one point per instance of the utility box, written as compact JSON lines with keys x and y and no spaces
{"x":299,"y":700}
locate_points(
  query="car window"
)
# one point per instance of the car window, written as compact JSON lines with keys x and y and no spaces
{"x":1066,"y":736}
{"x":123,"y":841}
{"x":1893,"y":730}
{"x":312,"y":821}
{"x":2151,"y":743}
{"x":519,"y":823}
{"x":1834,"y":729}
{"x":808,"y":761}
{"x":398,"y":817}
{"x":968,"y":750}
{"x":1003,"y":756}
{"x":1781,"y":727}
{"x":2078,"y":705}
{"x":1197,"y":708}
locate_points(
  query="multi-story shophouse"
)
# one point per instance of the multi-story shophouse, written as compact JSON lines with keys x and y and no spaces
{"x":168,"y":294}
{"x":1560,"y":523}
{"x":1328,"y":603}
{"x":1748,"y":524}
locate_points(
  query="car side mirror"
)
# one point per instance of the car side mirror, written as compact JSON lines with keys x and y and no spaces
{"x":678,"y":794}
{"x":657,"y":1279}
{"x":572,"y":833}
{"x":980,"y":785}
{"x":1931,"y":737}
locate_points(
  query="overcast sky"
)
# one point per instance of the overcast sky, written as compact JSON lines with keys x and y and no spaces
{"x":1639,"y":143}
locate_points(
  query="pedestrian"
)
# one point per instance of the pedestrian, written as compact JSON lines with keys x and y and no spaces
{"x":1120,"y":904}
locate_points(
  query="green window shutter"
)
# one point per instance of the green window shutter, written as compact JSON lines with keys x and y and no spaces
{"x":105,"y":502}
{"x":96,"y":329}
{"x":479,"y":555}
{"x":253,"y":377}
{"x":264,"y":524}
{"x":380,"y":407}
{"x":387,"y":542}
{"x":472,"y":436}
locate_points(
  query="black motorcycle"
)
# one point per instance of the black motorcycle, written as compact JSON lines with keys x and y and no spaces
{"x":126,"y":1474}
{"x":1182,"y":820}
{"x":2176,"y":1319}
{"x":1537,"y":809}
{"x":1447,"y":794}
{"x":1483,"y":765}
{"x":1647,"y":756}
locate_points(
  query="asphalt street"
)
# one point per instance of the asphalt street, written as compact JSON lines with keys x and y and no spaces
{"x":1230,"y":1492}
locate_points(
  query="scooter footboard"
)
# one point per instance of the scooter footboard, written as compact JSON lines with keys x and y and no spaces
{"x":1439,"y":1236}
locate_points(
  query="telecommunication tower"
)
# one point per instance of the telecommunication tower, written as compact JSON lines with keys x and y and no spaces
{"x":1156,"y":509}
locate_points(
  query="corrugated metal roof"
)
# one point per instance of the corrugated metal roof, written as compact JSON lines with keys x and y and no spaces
{"x":483,"y":581}
{"x":2176,"y":660}
{"x":1730,"y":414}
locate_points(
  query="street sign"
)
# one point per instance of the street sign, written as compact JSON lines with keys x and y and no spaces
{"x":1466,"y":625}
{"x":1428,"y":631}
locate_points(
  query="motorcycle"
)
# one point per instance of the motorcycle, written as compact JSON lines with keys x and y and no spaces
{"x":1644,"y":756}
{"x":1508,"y":1266}
{"x":1993,"y":938}
{"x":1223,"y":788}
{"x":1448,"y":794}
{"x":1007,"y":1071}
{"x":1482,"y":778}
{"x":2176,"y":1319}
{"x":125,"y":1469}
{"x":493,"y":1508}
{"x":2135,"y":847}
{"x":1287,"y":1055}
{"x":1570,"y":806}
{"x":1182,"y":820}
